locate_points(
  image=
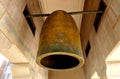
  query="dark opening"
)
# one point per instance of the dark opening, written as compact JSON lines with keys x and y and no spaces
{"x":59,"y":61}
{"x":102,"y":7}
{"x":88,"y":47}
{"x":29,"y":20}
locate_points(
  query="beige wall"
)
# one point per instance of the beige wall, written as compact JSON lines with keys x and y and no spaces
{"x":103,"y":41}
{"x":72,"y":74}
{"x":17,"y":41}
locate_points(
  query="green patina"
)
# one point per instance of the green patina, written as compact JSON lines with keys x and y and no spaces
{"x":59,"y":47}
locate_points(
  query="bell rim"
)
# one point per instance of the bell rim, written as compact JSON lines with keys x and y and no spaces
{"x":80,"y":59}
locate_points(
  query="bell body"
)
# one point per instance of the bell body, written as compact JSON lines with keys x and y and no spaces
{"x":59,"y":46}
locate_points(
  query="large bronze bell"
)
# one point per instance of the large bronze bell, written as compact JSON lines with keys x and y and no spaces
{"x":59,"y":46}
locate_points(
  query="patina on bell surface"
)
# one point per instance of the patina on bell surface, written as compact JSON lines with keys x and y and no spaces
{"x":59,"y":46}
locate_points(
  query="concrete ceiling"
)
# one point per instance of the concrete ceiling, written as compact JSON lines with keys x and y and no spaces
{"x":49,"y":6}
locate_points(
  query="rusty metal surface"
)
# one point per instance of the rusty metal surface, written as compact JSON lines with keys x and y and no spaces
{"x":71,"y":13}
{"x":60,"y":46}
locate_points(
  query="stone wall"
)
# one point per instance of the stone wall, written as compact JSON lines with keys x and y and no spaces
{"x":101,"y":41}
{"x":17,"y":42}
